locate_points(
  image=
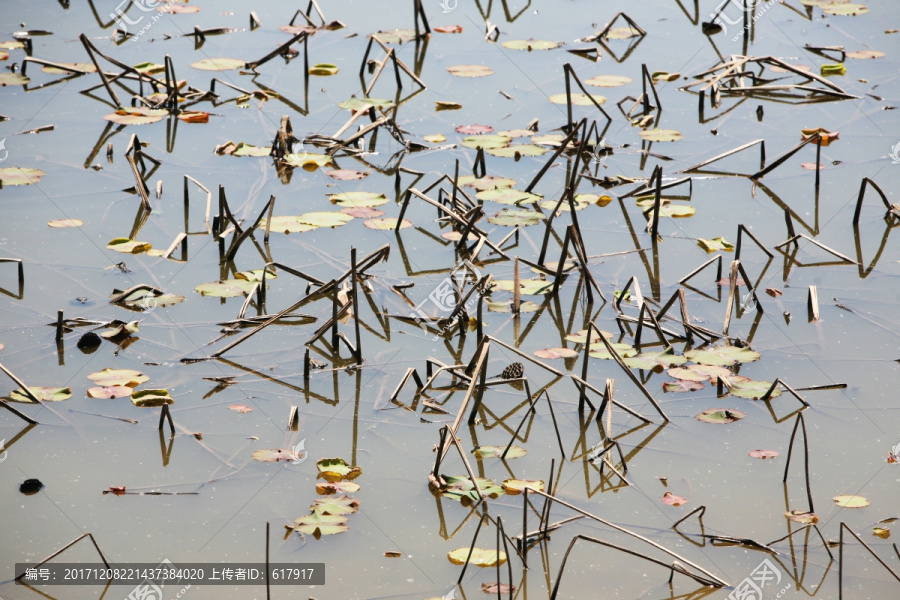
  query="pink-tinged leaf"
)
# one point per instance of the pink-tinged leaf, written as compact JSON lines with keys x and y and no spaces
{"x":682,"y":386}
{"x":493,"y":588}
{"x":449,"y":29}
{"x":811,"y":166}
{"x":362,"y":212}
{"x":799,"y":516}
{"x":178,"y":9}
{"x":474,"y":129}
{"x":337,"y":487}
{"x":346,"y":174}
{"x":672,"y":500}
{"x":762,"y":454}
{"x":240,"y":408}
{"x":276,"y":455}
{"x":551,"y":353}
{"x":111,"y":392}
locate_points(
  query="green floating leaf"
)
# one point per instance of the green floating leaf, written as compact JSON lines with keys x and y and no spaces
{"x":577,"y":99}
{"x":517,"y":150}
{"x":580,"y":337}
{"x":722,"y":355}
{"x":700,"y":372}
{"x":846,"y":10}
{"x":150,"y":398}
{"x":673,"y":210}
{"x":287,"y":225}
{"x":622,"y":349}
{"x":20,"y":175}
{"x":149,"y":68}
{"x":359,"y":199}
{"x":323,"y":69}
{"x":243,"y":149}
{"x":337,"y":469}
{"x":325,"y":219}
{"x":715,"y":244}
{"x":387,"y":223}
{"x":13,"y":79}
{"x":256,"y":274}
{"x":681,"y":386}
{"x":621,"y":33}
{"x":530,"y":44}
{"x":277,"y":455}
{"x":463,"y":489}
{"x":44,"y":394}
{"x":497,"y":451}
{"x":355,"y":103}
{"x":109,"y":377}
{"x":548,"y":139}
{"x":506,"y":307}
{"x":138,"y":115}
{"x":395,"y":36}
{"x":128,"y":246}
{"x":342,"y":505}
{"x":660,"y":135}
{"x":753,"y":389}
{"x":528,"y":287}
{"x":228,"y":288}
{"x":833,"y":69}
{"x":514,"y":487}
{"x":720,"y":416}
{"x":486,"y":141}
{"x":479,"y":557}
{"x":320,"y":523}
{"x":470,"y":71}
{"x":513,"y":218}
{"x":219,"y":64}
{"x":488,"y":182}
{"x":309,"y":161}
{"x":652,"y":360}
{"x":608,"y":80}
{"x":507,"y":196}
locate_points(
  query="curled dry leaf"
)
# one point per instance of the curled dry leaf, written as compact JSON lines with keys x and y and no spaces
{"x":672,"y":500}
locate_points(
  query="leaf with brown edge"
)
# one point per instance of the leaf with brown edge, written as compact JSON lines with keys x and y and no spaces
{"x":672,"y":500}
{"x":337,"y":487}
{"x":763,"y":454}
{"x":802,"y":516}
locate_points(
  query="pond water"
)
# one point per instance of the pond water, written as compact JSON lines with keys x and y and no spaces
{"x":217,"y":499}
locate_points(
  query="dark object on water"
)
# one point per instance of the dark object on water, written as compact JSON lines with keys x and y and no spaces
{"x":89,"y":342}
{"x":513,"y":371}
{"x":31,"y":487}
